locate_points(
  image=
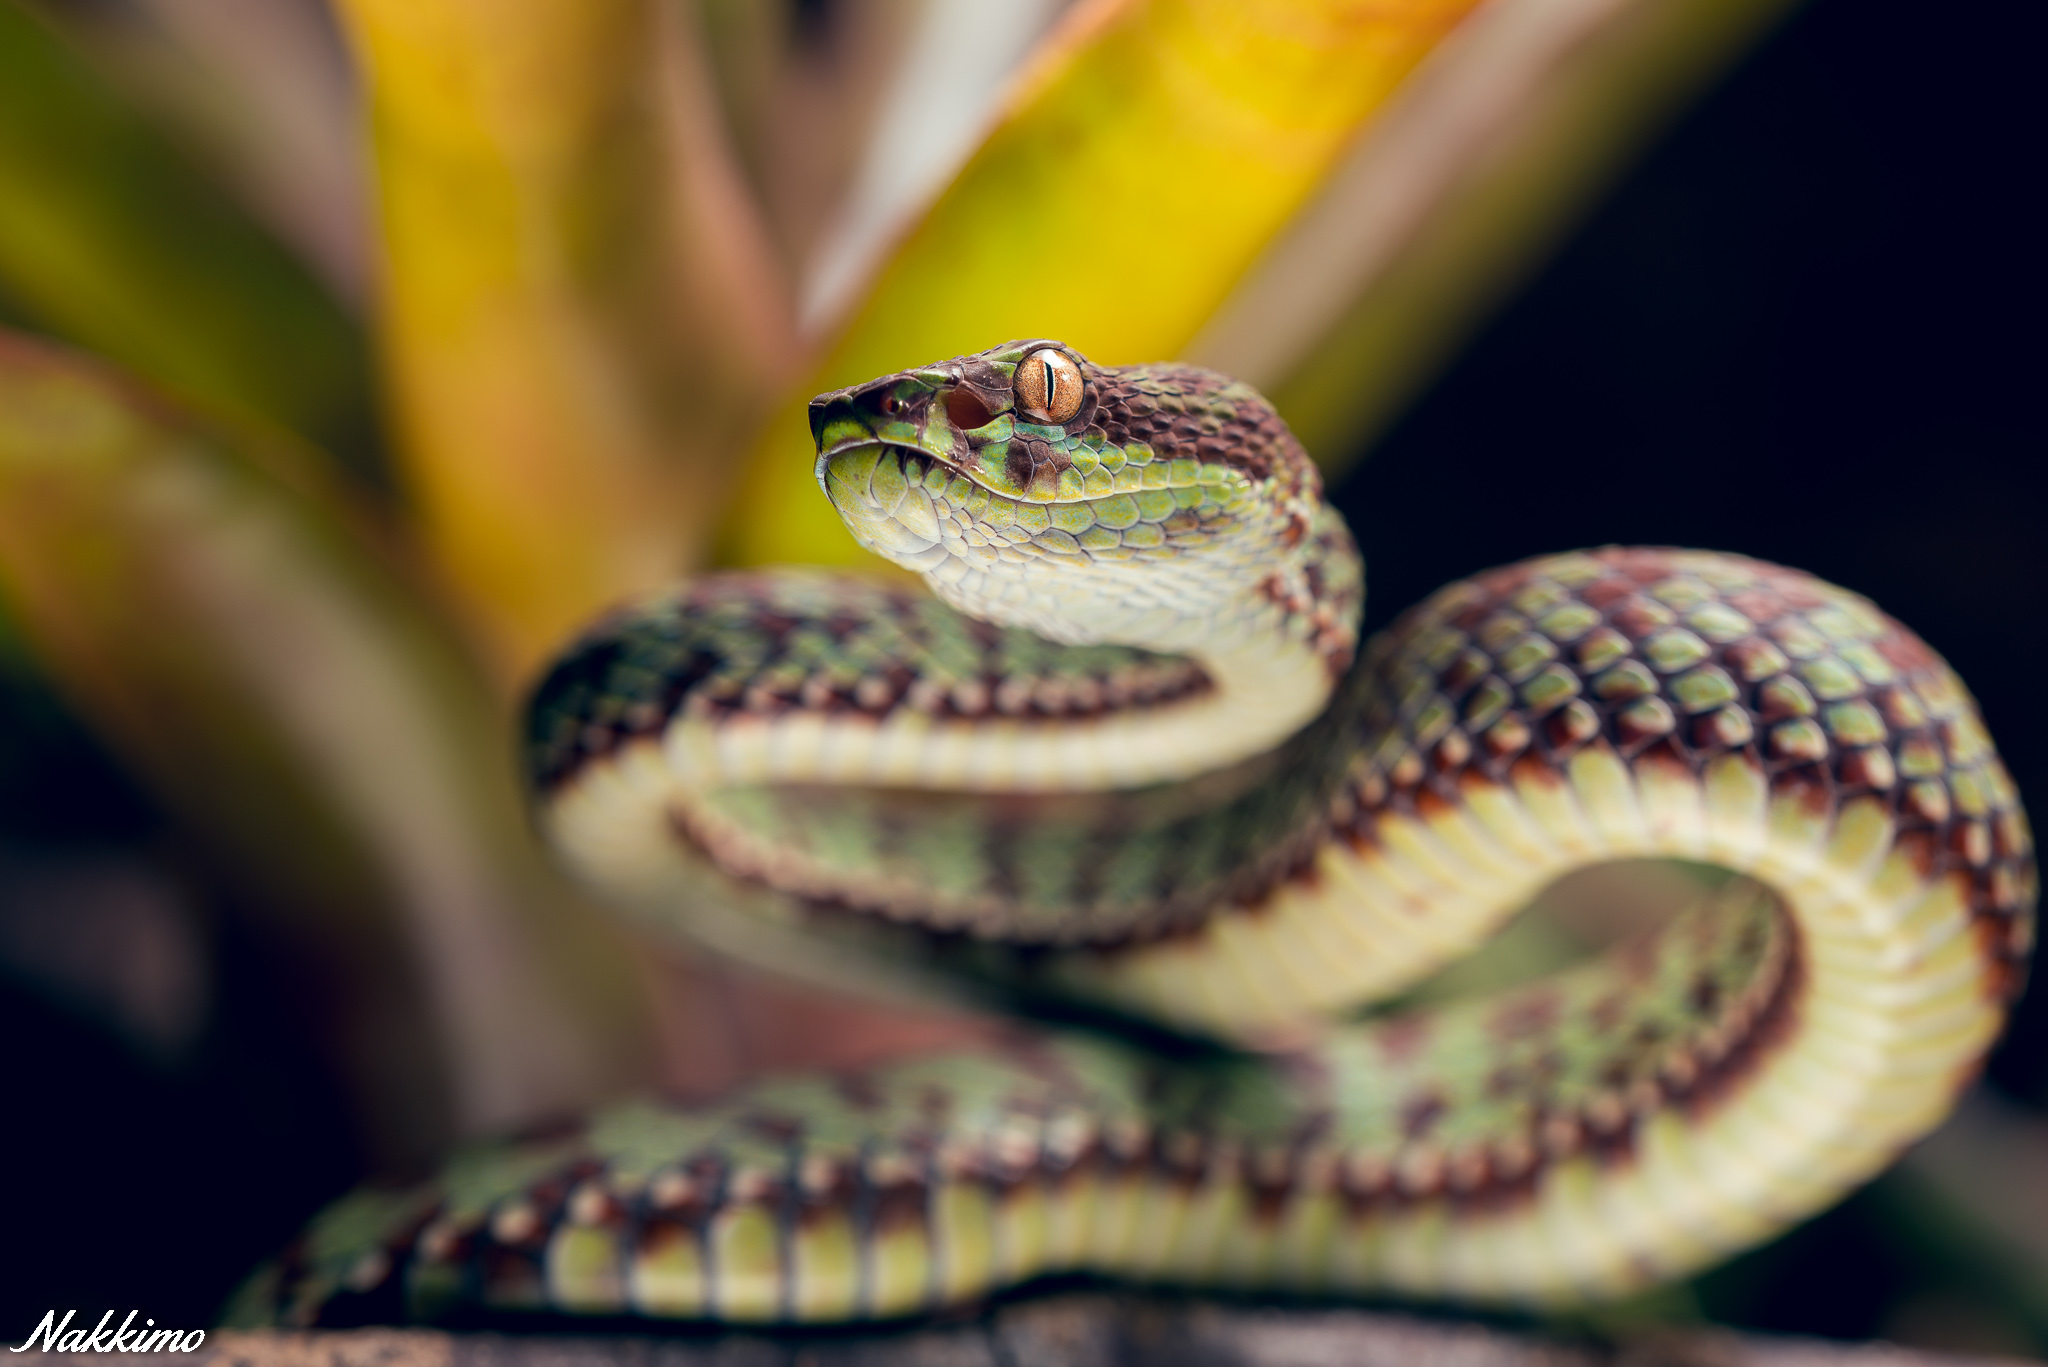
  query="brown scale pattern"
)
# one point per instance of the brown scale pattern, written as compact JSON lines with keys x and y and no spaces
{"x":741,"y":645}
{"x":1645,"y":1073}
{"x":1044,"y":1134}
{"x":1047,"y":1131}
{"x":1681,"y":658}
{"x":1181,"y":412}
{"x":1189,"y":414}
{"x":1185,"y":413}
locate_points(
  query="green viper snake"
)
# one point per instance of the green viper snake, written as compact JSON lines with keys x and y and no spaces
{"x":1128,"y":757}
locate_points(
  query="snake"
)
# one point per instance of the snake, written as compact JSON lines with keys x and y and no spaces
{"x":1122,"y":766}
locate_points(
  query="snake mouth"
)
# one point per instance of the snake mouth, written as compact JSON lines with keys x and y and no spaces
{"x":839,"y":448}
{"x":844,"y":454}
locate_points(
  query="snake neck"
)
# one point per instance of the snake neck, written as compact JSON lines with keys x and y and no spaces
{"x":795,"y":677}
{"x":1270,"y":646}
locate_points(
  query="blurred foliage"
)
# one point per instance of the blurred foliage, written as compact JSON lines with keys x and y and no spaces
{"x":1146,"y":155}
{"x":108,"y":236}
{"x":579,"y":319}
{"x":603,"y":229}
{"x":231,"y":626}
{"x":1540,"y":105}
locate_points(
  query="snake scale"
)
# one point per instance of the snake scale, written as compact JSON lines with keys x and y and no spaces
{"x":1128,"y":755}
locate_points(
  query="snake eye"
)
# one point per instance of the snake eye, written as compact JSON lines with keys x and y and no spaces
{"x":1048,"y":386}
{"x":891,"y":405}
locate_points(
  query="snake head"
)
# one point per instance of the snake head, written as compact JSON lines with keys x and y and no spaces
{"x":1012,"y":420}
{"x":1031,"y":487}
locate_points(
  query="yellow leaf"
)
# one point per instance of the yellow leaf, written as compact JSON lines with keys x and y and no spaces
{"x":1147,"y":156}
{"x":579,"y":320}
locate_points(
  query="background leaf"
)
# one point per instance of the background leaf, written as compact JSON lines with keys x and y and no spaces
{"x":1468,"y":177}
{"x":1147,"y":155}
{"x":580,"y":318}
{"x":262,"y":96}
{"x":218,"y":616}
{"x":109,"y":238}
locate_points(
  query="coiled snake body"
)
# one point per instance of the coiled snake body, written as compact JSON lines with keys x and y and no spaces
{"x":1128,"y":760}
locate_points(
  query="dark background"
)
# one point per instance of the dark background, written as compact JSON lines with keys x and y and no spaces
{"x":1805,"y":327}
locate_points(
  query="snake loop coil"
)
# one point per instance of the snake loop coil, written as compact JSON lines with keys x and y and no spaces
{"x":1128,"y":753}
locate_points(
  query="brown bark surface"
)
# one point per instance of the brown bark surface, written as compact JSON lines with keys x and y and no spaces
{"x":1079,"y":1330}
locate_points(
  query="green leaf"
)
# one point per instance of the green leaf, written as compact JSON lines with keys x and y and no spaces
{"x":109,"y":239}
{"x":222,"y":619}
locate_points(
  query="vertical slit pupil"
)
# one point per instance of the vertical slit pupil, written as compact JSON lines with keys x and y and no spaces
{"x":1041,"y":383}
